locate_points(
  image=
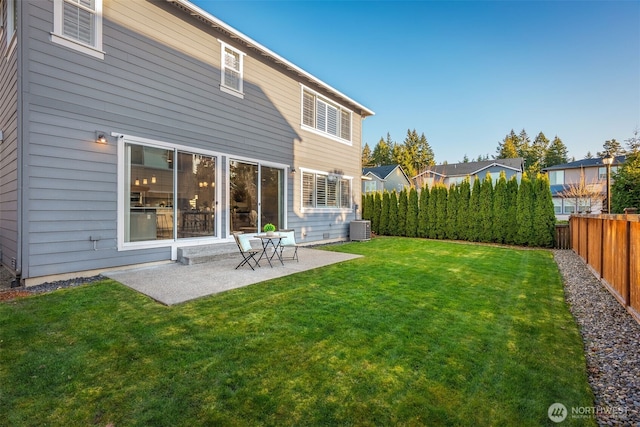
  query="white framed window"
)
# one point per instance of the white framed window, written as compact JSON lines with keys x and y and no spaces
{"x":602,"y":172}
{"x":325,"y":117}
{"x":9,"y":21}
{"x":556,"y":177}
{"x":231,"y":70}
{"x":77,"y":24}
{"x":325,"y":191}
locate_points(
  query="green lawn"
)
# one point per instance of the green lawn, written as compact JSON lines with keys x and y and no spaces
{"x":417,"y":332}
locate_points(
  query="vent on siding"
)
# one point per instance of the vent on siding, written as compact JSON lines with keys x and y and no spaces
{"x":325,"y":235}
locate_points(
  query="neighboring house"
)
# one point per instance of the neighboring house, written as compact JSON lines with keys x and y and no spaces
{"x":380,"y":178}
{"x":455,"y":173}
{"x":580,"y":186}
{"x":131,"y":129}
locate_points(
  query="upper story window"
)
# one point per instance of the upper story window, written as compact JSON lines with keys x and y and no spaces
{"x":231,"y":70}
{"x":8,"y":19}
{"x":556,"y":177}
{"x":77,"y":24}
{"x":602,"y":172}
{"x":321,"y":115}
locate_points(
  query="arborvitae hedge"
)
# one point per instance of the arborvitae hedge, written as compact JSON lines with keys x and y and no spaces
{"x":384,"y":214}
{"x":475,"y":226}
{"x":486,"y":209}
{"x":412,"y":214}
{"x":500,"y":209}
{"x":463,"y":210}
{"x":520,"y":214}
{"x":452,"y":213}
{"x":403,"y":204}
{"x":544,"y":218}
{"x":377,"y":211}
{"x":441,"y":211}
{"x":524,"y":213}
{"x":393,"y":214}
{"x":422,"y":215}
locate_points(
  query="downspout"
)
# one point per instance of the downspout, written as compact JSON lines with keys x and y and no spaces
{"x":20,"y":32}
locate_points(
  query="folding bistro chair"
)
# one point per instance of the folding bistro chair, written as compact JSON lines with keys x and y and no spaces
{"x":289,"y":241}
{"x":247,"y":252}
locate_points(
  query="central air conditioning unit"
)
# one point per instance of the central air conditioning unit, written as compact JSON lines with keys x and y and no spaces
{"x":360,"y":230}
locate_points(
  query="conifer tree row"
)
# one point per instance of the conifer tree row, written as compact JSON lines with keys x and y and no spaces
{"x":507,"y":212}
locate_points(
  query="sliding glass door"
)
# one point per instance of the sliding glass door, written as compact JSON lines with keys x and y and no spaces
{"x":256,"y":196}
{"x":170,"y":194}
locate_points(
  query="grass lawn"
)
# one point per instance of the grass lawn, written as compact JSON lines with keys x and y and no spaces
{"x":417,"y":332}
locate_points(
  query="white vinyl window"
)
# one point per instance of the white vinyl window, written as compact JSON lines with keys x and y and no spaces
{"x":321,"y":190}
{"x":231,"y":80}
{"x":8,"y":19}
{"x":77,"y":24}
{"x":321,"y":115}
{"x":556,"y":177}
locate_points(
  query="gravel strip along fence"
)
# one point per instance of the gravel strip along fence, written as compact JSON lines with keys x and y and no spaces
{"x":611,"y":343}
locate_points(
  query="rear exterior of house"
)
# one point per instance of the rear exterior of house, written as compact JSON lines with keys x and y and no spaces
{"x":131,"y":129}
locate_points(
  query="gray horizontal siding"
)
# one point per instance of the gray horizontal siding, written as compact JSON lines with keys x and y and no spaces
{"x":160,"y":79}
{"x":8,"y":153}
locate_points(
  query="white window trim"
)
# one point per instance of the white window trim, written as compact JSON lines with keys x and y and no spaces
{"x":173,"y":244}
{"x":306,"y":209}
{"x":223,"y":87}
{"x":317,"y":131}
{"x":57,"y":36}
{"x":8,"y":27}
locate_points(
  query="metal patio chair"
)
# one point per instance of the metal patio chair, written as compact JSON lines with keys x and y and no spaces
{"x":288,"y":241}
{"x":247,"y":252}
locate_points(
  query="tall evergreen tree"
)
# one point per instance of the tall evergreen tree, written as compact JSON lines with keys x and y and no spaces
{"x":401,"y":156}
{"x":486,"y":209}
{"x":463,"y":209}
{"x":544,"y":217}
{"x":557,"y":153}
{"x":475,"y":226}
{"x":524,"y":214}
{"x":509,"y":147}
{"x":403,"y":202}
{"x":383,"y":228}
{"x":535,"y":160}
{"x":511,"y":229}
{"x":367,"y":157}
{"x":625,"y":190}
{"x":452,"y":212}
{"x":412,"y":214}
{"x":393,"y":214}
{"x":500,"y":209}
{"x":382,"y":152}
{"x":423,"y":212}
{"x":613,"y":147}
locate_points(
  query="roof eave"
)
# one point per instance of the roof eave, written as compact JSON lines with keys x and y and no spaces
{"x":233,"y":33}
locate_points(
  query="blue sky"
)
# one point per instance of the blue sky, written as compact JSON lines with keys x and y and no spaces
{"x":465,"y":73}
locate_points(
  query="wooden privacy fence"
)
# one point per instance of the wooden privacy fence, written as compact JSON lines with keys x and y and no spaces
{"x":562,"y":237}
{"x":610,"y":245}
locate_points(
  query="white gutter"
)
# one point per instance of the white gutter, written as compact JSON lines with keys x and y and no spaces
{"x":215,"y":22}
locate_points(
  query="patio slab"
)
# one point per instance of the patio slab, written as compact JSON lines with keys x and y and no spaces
{"x":176,"y":283}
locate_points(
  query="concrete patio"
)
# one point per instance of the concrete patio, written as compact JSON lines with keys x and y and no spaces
{"x":176,"y":283}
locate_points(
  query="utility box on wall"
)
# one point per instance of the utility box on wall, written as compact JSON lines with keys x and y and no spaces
{"x":360,"y":230}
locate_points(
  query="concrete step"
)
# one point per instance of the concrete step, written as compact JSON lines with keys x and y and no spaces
{"x":208,"y":253}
